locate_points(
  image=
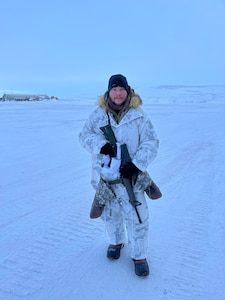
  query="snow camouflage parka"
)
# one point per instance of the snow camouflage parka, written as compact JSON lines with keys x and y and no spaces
{"x":131,"y":127}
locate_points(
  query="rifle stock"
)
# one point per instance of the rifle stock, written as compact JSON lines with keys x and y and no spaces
{"x":109,"y":134}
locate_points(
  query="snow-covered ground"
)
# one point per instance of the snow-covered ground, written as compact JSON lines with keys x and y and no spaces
{"x":50,"y":249}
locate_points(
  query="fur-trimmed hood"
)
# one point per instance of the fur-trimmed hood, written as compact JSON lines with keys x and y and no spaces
{"x":135,"y":100}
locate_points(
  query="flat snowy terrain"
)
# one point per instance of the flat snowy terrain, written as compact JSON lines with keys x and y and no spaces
{"x":51,"y":250}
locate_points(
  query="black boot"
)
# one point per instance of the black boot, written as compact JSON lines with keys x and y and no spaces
{"x":113,"y":251}
{"x":141,"y":267}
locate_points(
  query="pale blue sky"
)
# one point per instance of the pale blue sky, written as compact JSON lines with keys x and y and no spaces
{"x":56,"y":46}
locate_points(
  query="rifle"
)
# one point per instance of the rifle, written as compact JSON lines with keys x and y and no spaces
{"x":125,"y":158}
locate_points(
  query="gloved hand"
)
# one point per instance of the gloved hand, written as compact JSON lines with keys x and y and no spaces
{"x":107,"y":149}
{"x":128,"y":170}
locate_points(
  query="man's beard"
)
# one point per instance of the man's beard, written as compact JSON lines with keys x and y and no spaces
{"x":115,"y":106}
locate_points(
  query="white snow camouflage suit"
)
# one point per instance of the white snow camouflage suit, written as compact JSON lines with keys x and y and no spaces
{"x":133,"y":128}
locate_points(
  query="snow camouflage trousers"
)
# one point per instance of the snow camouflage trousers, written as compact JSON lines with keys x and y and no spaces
{"x":122,"y":223}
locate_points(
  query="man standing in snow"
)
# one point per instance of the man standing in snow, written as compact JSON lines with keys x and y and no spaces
{"x":120,"y":108}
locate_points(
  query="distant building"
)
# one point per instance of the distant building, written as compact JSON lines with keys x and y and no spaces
{"x":26,"y":97}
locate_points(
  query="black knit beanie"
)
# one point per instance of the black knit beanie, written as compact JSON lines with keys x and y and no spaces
{"x":118,"y":80}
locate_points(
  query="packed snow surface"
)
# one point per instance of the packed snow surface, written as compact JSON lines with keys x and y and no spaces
{"x":51,"y":249}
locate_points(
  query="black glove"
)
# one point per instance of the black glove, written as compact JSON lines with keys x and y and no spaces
{"x":128,"y":170}
{"x":107,"y":149}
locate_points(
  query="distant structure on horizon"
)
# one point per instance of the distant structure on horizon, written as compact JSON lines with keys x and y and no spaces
{"x":26,"y":97}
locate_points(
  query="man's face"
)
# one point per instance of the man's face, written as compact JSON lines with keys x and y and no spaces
{"x":118,"y":95}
